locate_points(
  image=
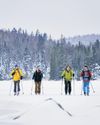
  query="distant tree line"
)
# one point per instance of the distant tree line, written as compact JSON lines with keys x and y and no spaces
{"x":31,"y":50}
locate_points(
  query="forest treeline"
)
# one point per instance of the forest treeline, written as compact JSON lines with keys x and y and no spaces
{"x":31,"y":50}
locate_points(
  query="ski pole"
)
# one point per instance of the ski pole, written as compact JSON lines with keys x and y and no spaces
{"x":92,"y":88}
{"x":81,"y":91}
{"x":62,"y":86}
{"x":42,"y":88}
{"x":82,"y":88}
{"x":32,"y":88}
{"x":10,"y":87}
{"x":73,"y":86}
{"x":22,"y":87}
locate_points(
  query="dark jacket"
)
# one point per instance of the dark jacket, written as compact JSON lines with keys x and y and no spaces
{"x":37,"y":76}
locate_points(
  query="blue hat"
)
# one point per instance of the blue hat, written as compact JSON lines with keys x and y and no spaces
{"x":16,"y":65}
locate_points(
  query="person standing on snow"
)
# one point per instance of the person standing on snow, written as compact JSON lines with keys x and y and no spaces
{"x":37,"y":76}
{"x":17,"y":75}
{"x":68,"y":74}
{"x":86,"y":76}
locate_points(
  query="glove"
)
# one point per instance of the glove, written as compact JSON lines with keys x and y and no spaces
{"x":73,"y":74}
{"x":62,"y":77}
{"x":21,"y":77}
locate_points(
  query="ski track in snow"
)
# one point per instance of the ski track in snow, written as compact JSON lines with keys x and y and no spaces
{"x":48,"y":99}
{"x":59,"y":105}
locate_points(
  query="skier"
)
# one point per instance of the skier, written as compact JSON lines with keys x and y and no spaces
{"x":86,"y":76}
{"x":37,"y":76}
{"x":68,"y":74}
{"x":17,"y":75}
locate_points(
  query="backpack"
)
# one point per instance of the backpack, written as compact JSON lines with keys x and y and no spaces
{"x":21,"y":77}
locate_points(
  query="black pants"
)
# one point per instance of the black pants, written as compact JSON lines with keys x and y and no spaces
{"x":16,"y":86}
{"x":68,"y":87}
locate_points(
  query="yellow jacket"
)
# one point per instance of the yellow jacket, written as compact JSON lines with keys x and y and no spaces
{"x":67,"y":75}
{"x":16,"y":74}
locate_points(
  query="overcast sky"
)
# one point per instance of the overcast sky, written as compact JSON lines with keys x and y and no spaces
{"x":55,"y":17}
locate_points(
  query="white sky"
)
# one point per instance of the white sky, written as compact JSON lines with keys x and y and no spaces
{"x":55,"y":17}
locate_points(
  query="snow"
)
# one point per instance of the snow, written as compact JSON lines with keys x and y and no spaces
{"x":50,"y":107}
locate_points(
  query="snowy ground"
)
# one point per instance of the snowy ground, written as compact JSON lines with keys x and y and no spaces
{"x":49,"y":108}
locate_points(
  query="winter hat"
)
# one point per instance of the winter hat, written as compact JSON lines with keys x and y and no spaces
{"x":16,"y":65}
{"x":86,"y":66}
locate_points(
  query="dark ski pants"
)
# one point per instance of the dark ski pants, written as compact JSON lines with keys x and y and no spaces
{"x":37,"y":87}
{"x":67,"y":87}
{"x":16,"y":86}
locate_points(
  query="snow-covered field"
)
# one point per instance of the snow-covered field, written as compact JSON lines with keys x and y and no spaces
{"x":49,"y":108}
